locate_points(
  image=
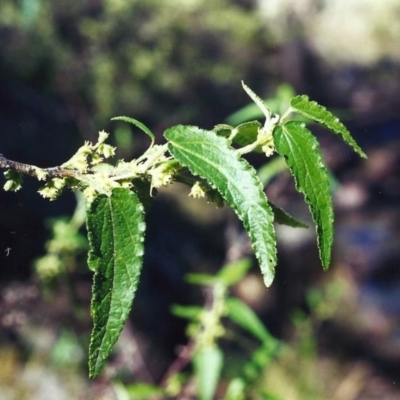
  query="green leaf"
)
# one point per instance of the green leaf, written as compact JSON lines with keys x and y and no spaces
{"x":262,"y":105}
{"x":236,"y":390}
{"x":244,"y":316}
{"x":187,"y":312}
{"x":245,"y":133}
{"x":247,"y":113}
{"x":137,"y":123}
{"x":260,"y":361}
{"x":207,"y":365}
{"x":229,"y":275}
{"x":268,"y":396}
{"x":211,"y":157}
{"x":271,"y":169}
{"x":320,"y":114}
{"x":115,"y":227}
{"x":300,"y":149}
{"x":223,"y":130}
{"x":233,"y":272}
{"x":143,"y":391}
{"x":277,"y":104}
{"x":142,"y":188}
{"x":283,"y":218}
{"x":200,"y":279}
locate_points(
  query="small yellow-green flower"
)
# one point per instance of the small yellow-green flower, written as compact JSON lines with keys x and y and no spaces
{"x":40,"y":173}
{"x":163,"y":174}
{"x":197,"y":191}
{"x":103,"y":135}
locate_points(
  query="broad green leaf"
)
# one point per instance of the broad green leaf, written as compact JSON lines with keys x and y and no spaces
{"x":283,"y":218}
{"x":211,"y":157}
{"x":137,"y":123}
{"x":320,"y":114}
{"x":244,"y":316}
{"x":207,"y":365}
{"x":300,"y":149}
{"x":233,"y":272}
{"x":115,"y":227}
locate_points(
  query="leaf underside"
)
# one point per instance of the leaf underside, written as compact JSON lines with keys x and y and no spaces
{"x":312,"y":110}
{"x":115,"y":227}
{"x":246,"y":133}
{"x":138,"y":124}
{"x":211,"y":157}
{"x":300,"y":149}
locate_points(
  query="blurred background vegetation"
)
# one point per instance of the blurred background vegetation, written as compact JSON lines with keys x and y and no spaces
{"x":66,"y":68}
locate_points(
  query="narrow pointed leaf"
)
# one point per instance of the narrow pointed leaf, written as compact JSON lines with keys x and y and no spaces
{"x":244,"y":316}
{"x":300,"y":149}
{"x":187,"y":312}
{"x":115,"y":227}
{"x":200,"y":279}
{"x":258,"y":100}
{"x":247,"y":113}
{"x":320,"y":114}
{"x":277,"y":104}
{"x":271,"y":169}
{"x":232,"y":273}
{"x":211,"y":157}
{"x":284,"y":218}
{"x":137,"y":123}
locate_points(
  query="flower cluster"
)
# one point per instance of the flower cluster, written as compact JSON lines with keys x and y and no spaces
{"x":53,"y":188}
{"x":201,"y":190}
{"x":14,"y":180}
{"x":163,"y":174}
{"x":85,"y":160}
{"x":90,"y":154}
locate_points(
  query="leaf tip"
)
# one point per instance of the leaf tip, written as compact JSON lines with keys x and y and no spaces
{"x":95,"y":366}
{"x":268,"y":279}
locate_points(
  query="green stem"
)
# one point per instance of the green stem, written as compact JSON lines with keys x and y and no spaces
{"x":249,"y":148}
{"x":286,"y":115}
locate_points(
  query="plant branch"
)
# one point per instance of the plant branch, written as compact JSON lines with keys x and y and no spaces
{"x":32,"y":170}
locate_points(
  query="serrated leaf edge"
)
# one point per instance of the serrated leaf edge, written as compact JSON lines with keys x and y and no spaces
{"x":315,"y":148}
{"x":267,"y":275}
{"x":333,"y":123}
{"x":138,"y":124}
